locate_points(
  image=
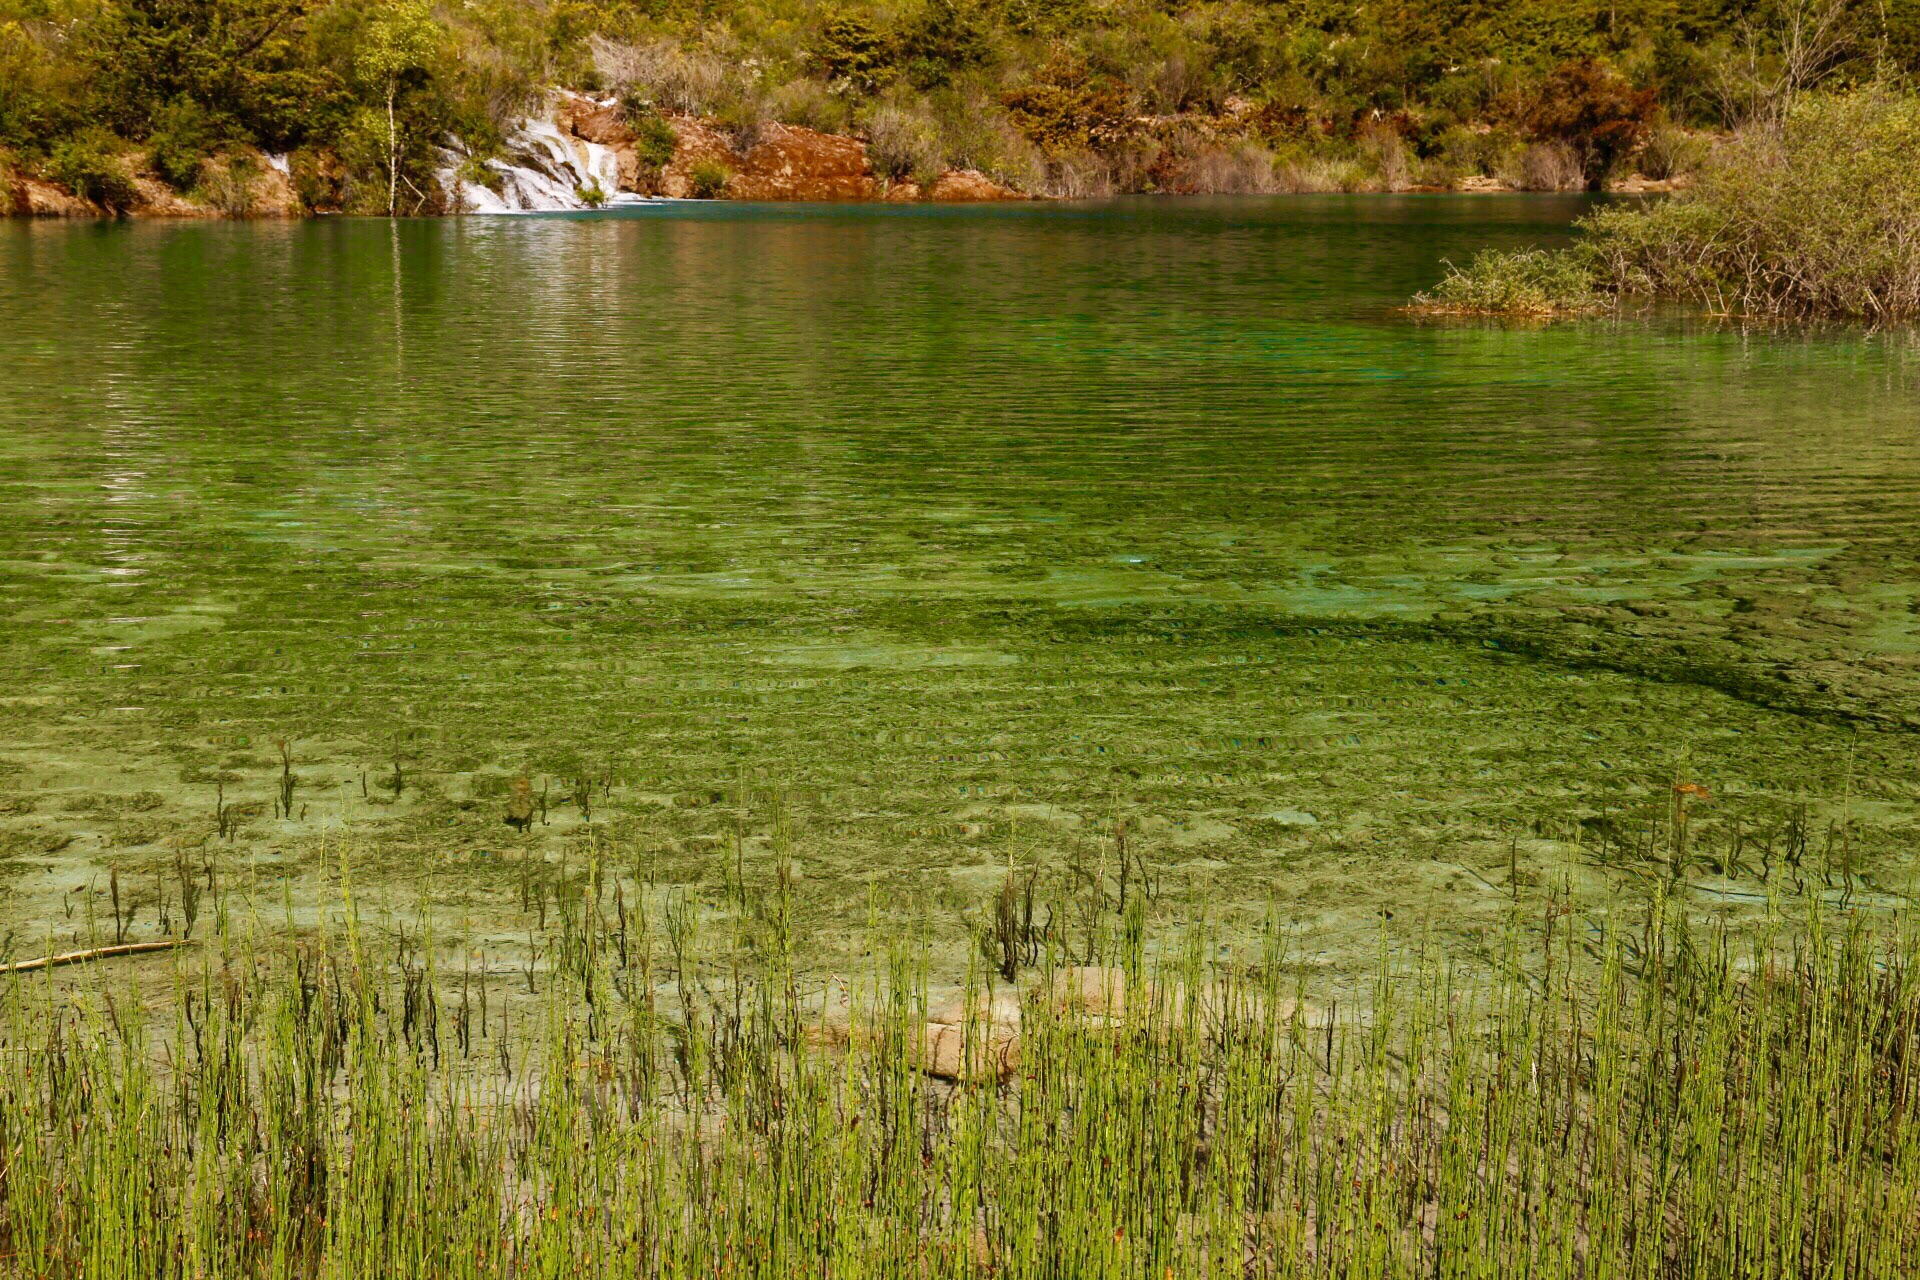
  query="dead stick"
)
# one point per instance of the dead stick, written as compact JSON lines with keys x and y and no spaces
{"x":95,"y":953}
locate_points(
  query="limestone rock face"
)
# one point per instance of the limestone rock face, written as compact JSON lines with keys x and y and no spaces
{"x":593,"y":121}
{"x":572,"y":134}
{"x":158,"y":200}
{"x":273,"y":195}
{"x":33,"y":198}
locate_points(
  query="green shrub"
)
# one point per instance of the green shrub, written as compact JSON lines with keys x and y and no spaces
{"x":709,"y":178}
{"x":1819,"y":217}
{"x":475,"y":171}
{"x":1669,"y":152}
{"x":1066,"y":107}
{"x":227,"y":184}
{"x":902,"y":143}
{"x":1531,"y":282}
{"x":318,"y":178}
{"x":943,"y":39}
{"x":180,"y":143}
{"x":654,"y":140}
{"x":851,"y":51}
{"x":90,"y":165}
{"x":591,"y":193}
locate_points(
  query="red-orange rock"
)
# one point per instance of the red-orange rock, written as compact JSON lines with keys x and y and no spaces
{"x":788,"y":162}
{"x":592,"y":121}
{"x":968,"y":186}
{"x":785,"y":162}
{"x":695,"y":144}
{"x":602,"y":123}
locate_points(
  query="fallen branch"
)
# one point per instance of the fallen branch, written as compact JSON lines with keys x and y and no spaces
{"x":95,"y":953}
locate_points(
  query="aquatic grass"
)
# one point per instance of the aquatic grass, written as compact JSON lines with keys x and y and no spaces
{"x":1527,"y":282}
{"x":1624,"y":1093}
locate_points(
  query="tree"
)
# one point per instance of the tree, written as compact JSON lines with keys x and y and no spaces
{"x":1782,"y":48}
{"x":237,"y":61}
{"x":401,"y":38}
{"x":1596,"y":111}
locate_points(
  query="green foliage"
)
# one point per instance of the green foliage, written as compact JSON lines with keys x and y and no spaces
{"x":903,"y":144}
{"x":1016,"y":86}
{"x":35,"y":103}
{"x":227,"y":184}
{"x":239,"y":61}
{"x":93,"y":166}
{"x":400,"y":37}
{"x":943,"y":39}
{"x":180,"y":143}
{"x":852,"y":51}
{"x":1067,"y":108}
{"x":1821,"y":217}
{"x":1669,"y":152}
{"x":319,"y":178}
{"x":654,"y":140}
{"x":1531,"y":282}
{"x":1899,"y":35}
{"x":709,"y":178}
{"x":658,"y":1089}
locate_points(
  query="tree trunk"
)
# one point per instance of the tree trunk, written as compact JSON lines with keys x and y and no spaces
{"x":393,"y":155}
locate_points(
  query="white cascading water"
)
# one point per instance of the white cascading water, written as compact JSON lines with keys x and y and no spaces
{"x":542,"y":171}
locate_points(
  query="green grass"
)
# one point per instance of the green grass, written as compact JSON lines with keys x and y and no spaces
{"x":659,"y":1092}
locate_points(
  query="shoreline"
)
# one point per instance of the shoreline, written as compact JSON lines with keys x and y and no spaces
{"x":578,"y":154}
{"x":51,"y":203}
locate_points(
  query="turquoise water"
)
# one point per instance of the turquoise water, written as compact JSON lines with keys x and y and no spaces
{"x":966,"y":531}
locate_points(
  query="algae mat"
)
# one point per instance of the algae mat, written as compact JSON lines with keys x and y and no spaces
{"x":908,"y":542}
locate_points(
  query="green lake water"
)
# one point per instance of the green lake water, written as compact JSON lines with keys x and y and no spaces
{"x":967,"y":532}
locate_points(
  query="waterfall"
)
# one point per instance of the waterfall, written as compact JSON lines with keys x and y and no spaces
{"x":541,"y":170}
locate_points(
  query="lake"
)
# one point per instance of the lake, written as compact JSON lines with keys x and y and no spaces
{"x":908,"y":542}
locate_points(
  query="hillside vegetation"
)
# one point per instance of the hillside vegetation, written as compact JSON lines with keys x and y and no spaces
{"x":1814,"y":214}
{"x":1052,"y":96}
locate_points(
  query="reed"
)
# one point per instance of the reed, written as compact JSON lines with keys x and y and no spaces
{"x":1619,"y":1093}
